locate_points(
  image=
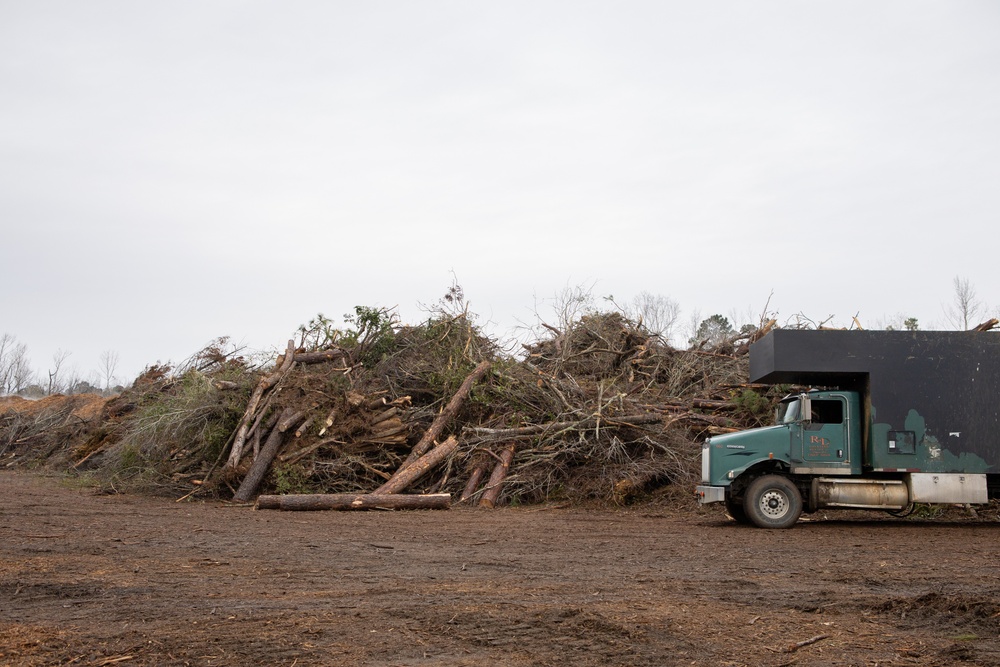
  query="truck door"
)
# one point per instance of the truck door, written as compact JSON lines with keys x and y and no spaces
{"x":824,"y":443}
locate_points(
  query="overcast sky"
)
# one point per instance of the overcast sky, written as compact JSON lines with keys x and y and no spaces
{"x":171,"y":172}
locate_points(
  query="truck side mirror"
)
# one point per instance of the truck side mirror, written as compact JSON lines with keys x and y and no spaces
{"x":806,"y":404}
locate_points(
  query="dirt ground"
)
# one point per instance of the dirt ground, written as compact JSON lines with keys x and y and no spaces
{"x":125,"y":580}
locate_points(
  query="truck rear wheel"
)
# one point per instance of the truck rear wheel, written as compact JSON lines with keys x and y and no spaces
{"x":772,"y":501}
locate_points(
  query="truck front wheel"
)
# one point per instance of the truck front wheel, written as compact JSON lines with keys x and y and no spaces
{"x":772,"y":501}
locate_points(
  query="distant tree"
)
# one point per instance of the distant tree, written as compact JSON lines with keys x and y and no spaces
{"x":902,"y":323}
{"x":32,"y":391}
{"x":15,"y":371}
{"x":572,"y":303}
{"x":965,"y":310}
{"x":109,"y":364}
{"x":58,"y":361}
{"x":712,"y":331}
{"x":83,"y":387}
{"x":657,"y":313}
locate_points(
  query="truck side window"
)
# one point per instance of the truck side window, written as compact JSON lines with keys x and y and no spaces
{"x":827,"y":412}
{"x":902,"y":442}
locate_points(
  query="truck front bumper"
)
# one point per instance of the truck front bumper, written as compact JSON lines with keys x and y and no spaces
{"x":710,"y":494}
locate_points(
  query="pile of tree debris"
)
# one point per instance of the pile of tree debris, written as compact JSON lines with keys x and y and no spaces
{"x":601,"y":409}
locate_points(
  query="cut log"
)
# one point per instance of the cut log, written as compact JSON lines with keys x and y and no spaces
{"x":446,"y":415}
{"x":404,"y":477}
{"x":492,"y":492}
{"x":290,"y":419}
{"x":473,"y":483}
{"x":388,"y":413}
{"x":261,"y":464}
{"x":988,"y":325}
{"x":349,"y":501}
{"x":301,"y":430}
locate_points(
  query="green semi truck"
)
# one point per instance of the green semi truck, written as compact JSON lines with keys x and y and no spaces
{"x":891,"y":419}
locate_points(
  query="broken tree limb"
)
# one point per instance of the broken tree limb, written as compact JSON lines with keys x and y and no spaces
{"x":446,"y":415}
{"x":349,"y":501}
{"x":261,"y":464}
{"x":328,"y":422}
{"x":236,"y":453}
{"x":406,"y":476}
{"x":493,"y":487}
{"x":791,"y":648}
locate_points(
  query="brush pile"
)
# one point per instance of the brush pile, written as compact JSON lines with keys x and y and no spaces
{"x":598,"y":410}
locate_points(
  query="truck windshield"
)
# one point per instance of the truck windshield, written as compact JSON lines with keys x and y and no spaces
{"x":788,"y":411}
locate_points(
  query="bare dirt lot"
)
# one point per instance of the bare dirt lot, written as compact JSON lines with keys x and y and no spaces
{"x":125,"y":580}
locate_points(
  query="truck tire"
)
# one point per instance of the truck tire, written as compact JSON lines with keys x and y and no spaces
{"x":735,"y":509}
{"x":772,"y":501}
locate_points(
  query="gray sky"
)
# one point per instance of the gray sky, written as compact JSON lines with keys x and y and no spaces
{"x":171,"y":172}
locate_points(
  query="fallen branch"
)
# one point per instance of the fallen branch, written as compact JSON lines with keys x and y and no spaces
{"x":792,"y":648}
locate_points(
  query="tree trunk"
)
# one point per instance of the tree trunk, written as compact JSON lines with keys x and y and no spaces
{"x":493,"y":487}
{"x":261,"y":464}
{"x":446,"y":415}
{"x":404,"y":477}
{"x":350,"y":501}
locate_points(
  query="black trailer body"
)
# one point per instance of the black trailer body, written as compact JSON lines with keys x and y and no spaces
{"x":931,"y":398}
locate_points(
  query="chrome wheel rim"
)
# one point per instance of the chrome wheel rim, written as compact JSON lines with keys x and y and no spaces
{"x":774,"y":504}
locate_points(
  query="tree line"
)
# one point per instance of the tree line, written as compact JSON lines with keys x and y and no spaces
{"x":17,"y":377}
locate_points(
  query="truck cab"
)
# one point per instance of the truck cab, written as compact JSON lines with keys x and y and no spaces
{"x":815,"y":433}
